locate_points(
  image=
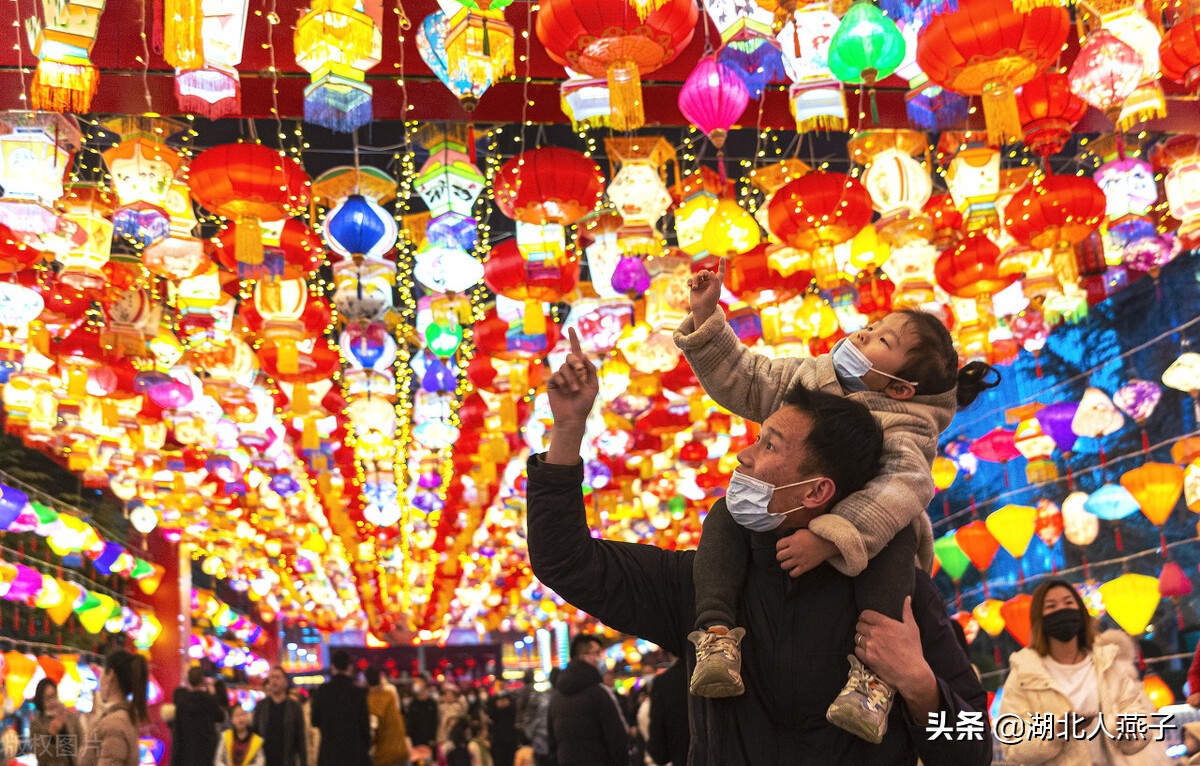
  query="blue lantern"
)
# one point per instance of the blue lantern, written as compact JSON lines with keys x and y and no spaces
{"x":12,"y":502}
{"x":438,"y":378}
{"x":1111,"y":502}
{"x":756,"y":62}
{"x":359,"y":228}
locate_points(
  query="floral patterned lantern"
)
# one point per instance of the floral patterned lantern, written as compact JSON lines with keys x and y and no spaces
{"x":899,"y":185}
{"x":1106,"y":72}
{"x":1138,"y":399}
{"x":480,"y":47}
{"x":1128,"y":185}
{"x":35,"y":155}
{"x":62,"y":36}
{"x":638,"y":187}
{"x":1180,"y":156}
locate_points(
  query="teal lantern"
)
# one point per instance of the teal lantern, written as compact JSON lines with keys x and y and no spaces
{"x":867,"y":46}
{"x":443,"y":339}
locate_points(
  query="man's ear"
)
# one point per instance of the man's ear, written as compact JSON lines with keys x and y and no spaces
{"x":900,"y":390}
{"x":819,"y":493}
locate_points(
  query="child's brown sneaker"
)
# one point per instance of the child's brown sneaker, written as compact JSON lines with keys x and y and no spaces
{"x":863,"y":705}
{"x":718,"y":670}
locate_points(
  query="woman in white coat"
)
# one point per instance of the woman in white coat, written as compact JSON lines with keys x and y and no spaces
{"x":1064,"y":671}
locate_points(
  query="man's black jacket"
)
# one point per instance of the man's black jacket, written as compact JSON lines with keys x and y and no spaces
{"x":670,"y":736}
{"x":799,"y":633}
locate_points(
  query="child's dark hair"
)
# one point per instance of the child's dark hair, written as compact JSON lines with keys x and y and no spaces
{"x":933,"y":363}
{"x":132,"y":674}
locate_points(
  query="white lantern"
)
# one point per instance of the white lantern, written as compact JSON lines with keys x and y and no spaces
{"x":897,"y":182}
{"x":804,"y":42}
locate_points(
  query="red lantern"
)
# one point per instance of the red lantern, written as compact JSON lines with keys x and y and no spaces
{"x":603,"y":38}
{"x":751,"y":274}
{"x":548,"y":185}
{"x":816,"y":212}
{"x":1179,"y":53}
{"x":1049,"y":110}
{"x":507,"y":272}
{"x":987,"y":48}
{"x":248,"y":183}
{"x":875,"y":296}
{"x":1057,"y":214}
{"x":15,"y":255}
{"x":298,"y":254}
{"x":947,"y":220}
{"x":972,"y":270}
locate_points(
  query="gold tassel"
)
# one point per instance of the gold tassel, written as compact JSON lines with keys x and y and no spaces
{"x":287,"y":357}
{"x":1025,"y":6}
{"x":1146,"y":103}
{"x":63,"y":87}
{"x":1000,"y":113}
{"x":508,"y":413}
{"x":534,"y":321}
{"x":39,"y":337}
{"x":625,"y":95}
{"x":518,"y":378}
{"x":324,"y":484}
{"x":108,"y":413}
{"x":301,"y":404}
{"x":77,"y":383}
{"x":353,"y":35}
{"x":311,"y":438}
{"x":183,"y":41}
{"x":645,"y":7}
{"x":1066,"y":266}
{"x":247,"y":241}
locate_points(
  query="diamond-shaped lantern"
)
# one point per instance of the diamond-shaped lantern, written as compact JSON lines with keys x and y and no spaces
{"x":449,"y":182}
{"x":638,"y":187}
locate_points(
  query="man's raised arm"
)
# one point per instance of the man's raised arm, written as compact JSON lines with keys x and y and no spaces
{"x":637,"y":589}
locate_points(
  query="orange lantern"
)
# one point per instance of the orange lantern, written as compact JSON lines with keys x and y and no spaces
{"x":978,"y":543}
{"x":1156,"y":487}
{"x":1016,"y":617}
{"x":19,"y":669}
{"x":1057,"y":213}
{"x":1179,"y":53}
{"x":248,"y":183}
{"x":1049,"y":111}
{"x":1157,"y":690}
{"x":987,"y":48}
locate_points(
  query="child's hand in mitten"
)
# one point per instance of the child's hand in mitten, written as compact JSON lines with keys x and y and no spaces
{"x":802,"y":551}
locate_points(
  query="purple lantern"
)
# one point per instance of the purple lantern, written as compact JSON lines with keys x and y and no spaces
{"x":755,"y":61}
{"x":1055,"y":421}
{"x":107,"y":558}
{"x":26,"y":586}
{"x":12,"y":502}
{"x":438,"y":378}
{"x":630,"y":276}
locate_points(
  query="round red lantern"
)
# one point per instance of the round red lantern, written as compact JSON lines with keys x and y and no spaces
{"x":1179,"y":53}
{"x":1049,"y":110}
{"x":548,"y":185}
{"x":751,"y":274}
{"x":15,"y":255}
{"x":507,"y":272}
{"x":248,"y":183}
{"x":1057,"y":213}
{"x":947,"y":220}
{"x":603,"y":38}
{"x":816,"y":212}
{"x":972,"y":269}
{"x":987,"y":48}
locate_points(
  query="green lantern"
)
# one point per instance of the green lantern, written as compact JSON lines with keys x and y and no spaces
{"x":951,"y":557}
{"x":443,"y":339}
{"x":677,"y":505}
{"x":867,"y":46}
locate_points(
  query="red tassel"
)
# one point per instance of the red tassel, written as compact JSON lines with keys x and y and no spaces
{"x":1118,"y":538}
{"x":945,"y":507}
{"x":1006,"y":482}
{"x":1162,"y":543}
{"x":1087,"y":573}
{"x":957,"y":596}
{"x":974,"y":513}
{"x":471,"y":141}
{"x":1037,"y":361}
{"x":1103,"y":457}
{"x":996,"y":651}
{"x":1070,"y":476}
{"x":1020,"y":573}
{"x":721,"y":168}
{"x":157,"y":40}
{"x":1179,"y":616}
{"x":1145,"y":441}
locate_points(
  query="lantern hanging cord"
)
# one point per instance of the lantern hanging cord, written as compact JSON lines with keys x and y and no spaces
{"x":1139,"y":452}
{"x":961,"y":428}
{"x":20,"y":643}
{"x":1156,"y":550}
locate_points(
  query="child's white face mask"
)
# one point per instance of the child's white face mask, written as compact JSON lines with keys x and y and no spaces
{"x":747,"y":499}
{"x":851,"y":364}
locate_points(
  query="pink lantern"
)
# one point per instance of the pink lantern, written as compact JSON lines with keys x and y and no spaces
{"x":713,"y":98}
{"x":1106,"y":72}
{"x":1173,"y":582}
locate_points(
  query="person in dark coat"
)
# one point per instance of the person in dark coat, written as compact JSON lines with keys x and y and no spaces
{"x":586,"y":725}
{"x":279,"y":720}
{"x":421,"y":717}
{"x":670,"y":737}
{"x":197,"y":715}
{"x":339,"y":710}
{"x":800,"y":631}
{"x":502,"y":729}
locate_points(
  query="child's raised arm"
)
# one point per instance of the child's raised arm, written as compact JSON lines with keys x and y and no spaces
{"x":743,"y":382}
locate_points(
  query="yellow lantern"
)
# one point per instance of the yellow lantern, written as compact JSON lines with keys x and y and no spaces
{"x":988,"y":615}
{"x":690,"y":220}
{"x":88,"y":207}
{"x":71,"y":683}
{"x":479,"y":48}
{"x":1131,"y":600}
{"x":1156,"y":487}
{"x":149,"y":584}
{"x":50,"y":595}
{"x":1013,"y":526}
{"x":730,"y":230}
{"x":944,"y":472}
{"x":1184,"y":375}
{"x":93,"y":619}
{"x":19,"y":670}
{"x":69,"y":594}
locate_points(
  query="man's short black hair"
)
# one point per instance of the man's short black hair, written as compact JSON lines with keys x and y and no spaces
{"x":340,"y":660}
{"x":845,"y":443}
{"x":582,"y":643}
{"x":195,"y":676}
{"x":372,"y":675}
